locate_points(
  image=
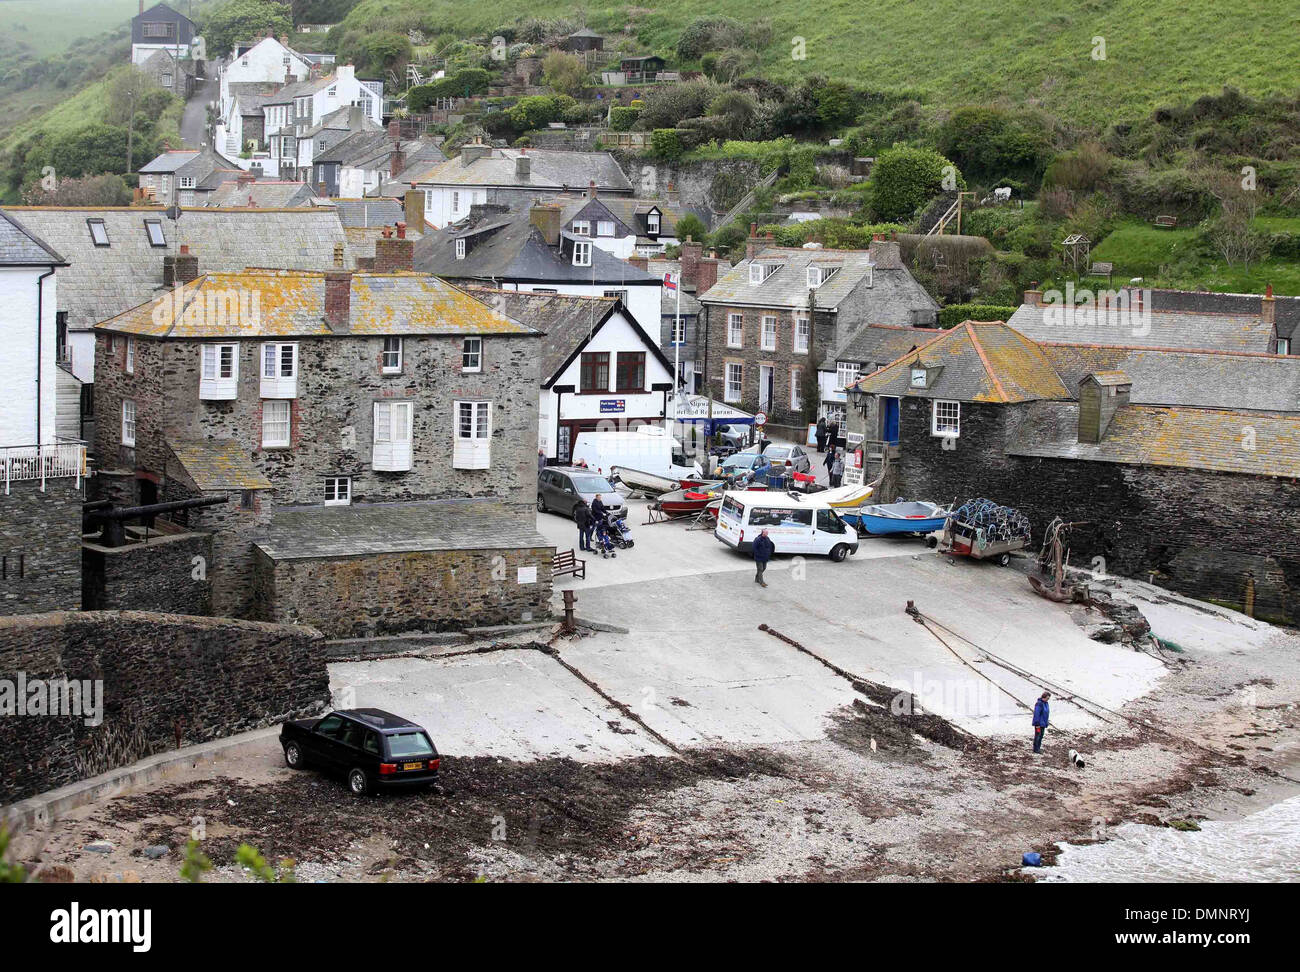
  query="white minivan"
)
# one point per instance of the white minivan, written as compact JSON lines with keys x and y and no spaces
{"x":795,"y":524}
{"x":649,"y":451}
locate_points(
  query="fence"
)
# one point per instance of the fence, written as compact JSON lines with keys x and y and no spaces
{"x":59,"y":460}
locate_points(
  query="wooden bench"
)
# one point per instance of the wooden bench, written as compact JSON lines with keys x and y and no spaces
{"x":1167,"y":222}
{"x":1102,"y":269}
{"x":567,"y":562}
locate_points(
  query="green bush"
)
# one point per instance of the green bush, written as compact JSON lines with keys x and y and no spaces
{"x":665,"y":143}
{"x":994,"y":144}
{"x":622,"y":119}
{"x":905,"y":179}
{"x":955,"y":314}
{"x":462,"y":84}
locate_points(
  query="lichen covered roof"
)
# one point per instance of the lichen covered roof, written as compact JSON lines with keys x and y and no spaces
{"x":981,"y":361}
{"x":218,"y":464}
{"x":291,"y":303}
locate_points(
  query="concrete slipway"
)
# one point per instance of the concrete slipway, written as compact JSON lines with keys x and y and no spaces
{"x":696,"y":669}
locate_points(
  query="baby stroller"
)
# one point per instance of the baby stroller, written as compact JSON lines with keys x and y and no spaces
{"x":620,"y":534}
{"x":604,"y":542}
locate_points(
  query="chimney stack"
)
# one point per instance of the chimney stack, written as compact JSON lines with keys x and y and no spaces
{"x":751,"y":244}
{"x":180,"y":269}
{"x":640,"y":262}
{"x":475,"y":150}
{"x":523,"y":167}
{"x":691,"y":253}
{"x":397,"y":161}
{"x":547,"y":217}
{"x":706,"y":274}
{"x":591,"y":189}
{"x":395,"y":254}
{"x":395,"y":128}
{"x":338,"y":299}
{"x":1268,"y":306}
{"x":245,"y":177}
{"x":415,"y":209}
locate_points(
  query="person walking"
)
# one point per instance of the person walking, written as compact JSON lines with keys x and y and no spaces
{"x":1040,"y":720}
{"x":821,"y":433}
{"x":763,"y":550}
{"x":833,"y":435}
{"x":837,"y":470}
{"x":541,"y":459}
{"x":582,"y":517}
{"x":829,"y":461}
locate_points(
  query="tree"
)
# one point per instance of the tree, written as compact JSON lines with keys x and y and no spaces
{"x":735,"y":112}
{"x":97,"y":190}
{"x":993,"y":144}
{"x":564,"y":73}
{"x":1232,"y":233}
{"x":692,"y":226}
{"x":237,"y":21}
{"x":905,"y":179}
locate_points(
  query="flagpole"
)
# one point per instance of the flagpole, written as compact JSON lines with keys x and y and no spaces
{"x":677,"y":352}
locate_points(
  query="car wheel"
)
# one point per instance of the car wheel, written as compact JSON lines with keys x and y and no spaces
{"x":358,"y":782}
{"x":932,"y":542}
{"x":294,"y":757}
{"x":1004,"y":560}
{"x":541,"y":504}
{"x":839,"y":552}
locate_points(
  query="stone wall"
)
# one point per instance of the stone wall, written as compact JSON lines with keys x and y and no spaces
{"x":40,"y":543}
{"x":704,"y":188}
{"x":167,"y":679}
{"x":445,"y":590}
{"x":167,"y":572}
{"x":1209,"y":535}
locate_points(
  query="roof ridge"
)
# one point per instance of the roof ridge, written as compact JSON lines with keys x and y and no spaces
{"x":988,"y":367}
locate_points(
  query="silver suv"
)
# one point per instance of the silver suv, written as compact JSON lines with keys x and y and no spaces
{"x":560,"y":488}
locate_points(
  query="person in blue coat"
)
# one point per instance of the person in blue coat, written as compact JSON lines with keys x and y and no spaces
{"x":1040,"y":719}
{"x":763,"y":550}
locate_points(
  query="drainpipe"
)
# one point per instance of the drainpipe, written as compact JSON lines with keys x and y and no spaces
{"x":40,"y":327}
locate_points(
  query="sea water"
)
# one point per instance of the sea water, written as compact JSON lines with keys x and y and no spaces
{"x":1264,"y":846}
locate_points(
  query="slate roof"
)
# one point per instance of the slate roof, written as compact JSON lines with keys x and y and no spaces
{"x":549,"y":170}
{"x":105,"y":281}
{"x":291,"y":303}
{"x":420,"y":156}
{"x":1190,"y":438}
{"x":878,"y":344}
{"x":199,"y":163}
{"x":567,"y":323}
{"x":19,"y":247}
{"x":506,"y":246}
{"x":253,"y":95}
{"x":1208,"y":379}
{"x":218,"y":464}
{"x":1178,"y":330}
{"x":628,"y":210}
{"x":366,"y":213}
{"x":788,"y":285}
{"x":359,"y":150}
{"x":366,"y":529}
{"x":260,"y":195}
{"x":1286,"y":309}
{"x":979,"y":362}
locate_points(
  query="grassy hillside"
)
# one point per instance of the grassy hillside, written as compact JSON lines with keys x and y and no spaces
{"x":50,"y":26}
{"x":1157,"y":51}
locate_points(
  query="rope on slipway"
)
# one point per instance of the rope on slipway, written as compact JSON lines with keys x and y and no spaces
{"x":1074,"y":697}
{"x":921,"y":621}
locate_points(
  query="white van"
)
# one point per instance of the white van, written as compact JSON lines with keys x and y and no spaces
{"x":794,"y":524}
{"x":657,"y":454}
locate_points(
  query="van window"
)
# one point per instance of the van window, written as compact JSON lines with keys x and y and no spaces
{"x":733,"y":505}
{"x":828,"y":522}
{"x":766,"y":516}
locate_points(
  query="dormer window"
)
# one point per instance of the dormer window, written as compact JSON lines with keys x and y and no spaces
{"x":758,"y":272}
{"x":652,"y":224}
{"x":460,"y":249}
{"x":819,"y":275}
{"x":581,"y":227}
{"x":1283,"y":345}
{"x":581,"y":253}
{"x":187,"y":182}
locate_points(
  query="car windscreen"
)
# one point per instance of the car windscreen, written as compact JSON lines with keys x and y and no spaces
{"x":403,"y":745}
{"x":777,"y":452}
{"x":592,"y":484}
{"x":742,"y":460}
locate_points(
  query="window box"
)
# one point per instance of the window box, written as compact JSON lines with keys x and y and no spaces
{"x":471,"y":355}
{"x":277,"y":423}
{"x":392,"y":437}
{"x":279,"y":371}
{"x":472,"y":448}
{"x":945,"y":419}
{"x":219,"y":372}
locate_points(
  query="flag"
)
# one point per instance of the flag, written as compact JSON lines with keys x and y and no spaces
{"x":669,"y":282}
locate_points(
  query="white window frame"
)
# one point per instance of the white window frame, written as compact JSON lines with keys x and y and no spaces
{"x":756,"y":274}
{"x":276,"y":413}
{"x":455,"y":203}
{"x":187,"y":182}
{"x":678,"y":330}
{"x":735,"y":330}
{"x":338,"y":490}
{"x":472,"y":448}
{"x":766,"y":330}
{"x":802,"y":334}
{"x":949,"y":426}
{"x":1283,"y":345}
{"x":846,"y":373}
{"x":582,"y":253}
{"x":214,"y":383}
{"x":391,"y":448}
{"x":391,"y":352}
{"x":471,"y":355}
{"x":278,"y":381}
{"x":796,"y":401}
{"x":581,"y":227}
{"x":460,"y":249}
{"x":604,"y":227}
{"x":739,"y":381}
{"x":128,"y":422}
{"x":130,"y":356}
{"x":652,"y":224}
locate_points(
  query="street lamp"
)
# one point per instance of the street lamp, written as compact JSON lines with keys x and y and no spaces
{"x":857,"y":398}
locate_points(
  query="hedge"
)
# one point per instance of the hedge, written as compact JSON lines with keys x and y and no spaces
{"x":955,"y":314}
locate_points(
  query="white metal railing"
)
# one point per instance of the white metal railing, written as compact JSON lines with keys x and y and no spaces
{"x":58,"y":460}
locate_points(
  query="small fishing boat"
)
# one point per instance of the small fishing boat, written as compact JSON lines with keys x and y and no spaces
{"x":889,"y":518}
{"x":640,"y":481}
{"x":842,"y":497}
{"x":679,"y":502}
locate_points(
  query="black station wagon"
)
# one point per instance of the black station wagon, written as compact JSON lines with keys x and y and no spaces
{"x":370,"y":747}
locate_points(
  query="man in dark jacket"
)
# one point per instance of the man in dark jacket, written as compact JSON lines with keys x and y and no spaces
{"x":1040,"y":719}
{"x":833,"y":435}
{"x":763,"y":550}
{"x":821,"y":433}
{"x":582,"y":517}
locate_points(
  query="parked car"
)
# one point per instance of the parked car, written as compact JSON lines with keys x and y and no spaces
{"x":735,"y":436}
{"x":739,"y":463}
{"x":370,"y":747}
{"x":792,"y":456}
{"x":559,"y":489}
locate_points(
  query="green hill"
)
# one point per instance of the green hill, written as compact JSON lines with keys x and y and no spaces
{"x":1156,"y":51}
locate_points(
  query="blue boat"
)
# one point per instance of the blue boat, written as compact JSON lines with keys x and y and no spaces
{"x":914,"y":517}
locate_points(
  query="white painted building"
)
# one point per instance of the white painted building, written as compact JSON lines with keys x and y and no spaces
{"x":268,"y":61}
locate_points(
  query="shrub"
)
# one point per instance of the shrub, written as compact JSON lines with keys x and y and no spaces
{"x":665,"y":143}
{"x":709,"y":34}
{"x":905,"y":179}
{"x":692,"y":226}
{"x":991,"y":144}
{"x":955,"y":314}
{"x":669,"y":104}
{"x":621,"y":119}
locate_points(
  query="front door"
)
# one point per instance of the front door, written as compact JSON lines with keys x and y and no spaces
{"x":889,"y":420}
{"x":765,"y":387}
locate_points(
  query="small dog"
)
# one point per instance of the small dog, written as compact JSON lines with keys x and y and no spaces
{"x":1076,"y":759}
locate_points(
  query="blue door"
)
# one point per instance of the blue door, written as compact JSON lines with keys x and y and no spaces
{"x":889,"y":420}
